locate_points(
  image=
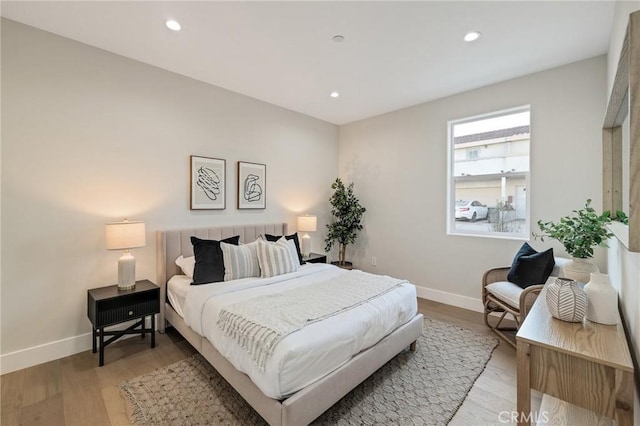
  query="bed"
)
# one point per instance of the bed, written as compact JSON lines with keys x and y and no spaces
{"x":285,"y":399}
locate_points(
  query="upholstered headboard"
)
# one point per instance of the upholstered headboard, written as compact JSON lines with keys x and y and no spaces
{"x":173,"y":243}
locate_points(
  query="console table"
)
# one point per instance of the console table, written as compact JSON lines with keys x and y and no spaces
{"x":585,"y":364}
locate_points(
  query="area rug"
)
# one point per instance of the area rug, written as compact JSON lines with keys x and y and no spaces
{"x":425,"y":387}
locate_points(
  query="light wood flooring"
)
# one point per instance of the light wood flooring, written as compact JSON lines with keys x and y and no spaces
{"x":75,"y":391}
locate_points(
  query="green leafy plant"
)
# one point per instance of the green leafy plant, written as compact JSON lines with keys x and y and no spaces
{"x":347,"y":214}
{"x":579,"y":232}
{"x":619,"y":217}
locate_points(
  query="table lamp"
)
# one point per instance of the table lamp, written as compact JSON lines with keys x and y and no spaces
{"x":306,"y":223}
{"x":125,"y":235}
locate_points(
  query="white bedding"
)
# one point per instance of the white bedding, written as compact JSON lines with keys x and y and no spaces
{"x":310,"y":353}
{"x":177,"y":289}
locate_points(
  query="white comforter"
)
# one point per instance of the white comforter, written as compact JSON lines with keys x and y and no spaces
{"x":310,"y":353}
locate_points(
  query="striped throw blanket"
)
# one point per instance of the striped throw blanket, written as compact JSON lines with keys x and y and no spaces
{"x":259,"y":324}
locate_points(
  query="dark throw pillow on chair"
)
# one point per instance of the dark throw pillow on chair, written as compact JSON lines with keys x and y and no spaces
{"x":294,"y":237}
{"x":530,"y":267}
{"x":209,"y":264}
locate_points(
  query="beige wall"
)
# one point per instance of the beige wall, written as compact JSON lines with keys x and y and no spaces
{"x":398,"y":162}
{"x":91,"y":137}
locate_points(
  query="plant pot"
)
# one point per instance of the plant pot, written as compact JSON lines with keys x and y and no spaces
{"x":345,"y":265}
{"x":603,"y":300}
{"x":580,"y":269}
{"x":566,"y":301}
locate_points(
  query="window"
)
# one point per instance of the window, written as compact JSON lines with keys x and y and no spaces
{"x":489,"y":175}
{"x":472,"y":154}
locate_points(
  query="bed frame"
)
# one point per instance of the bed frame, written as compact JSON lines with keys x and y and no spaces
{"x":305,"y":405}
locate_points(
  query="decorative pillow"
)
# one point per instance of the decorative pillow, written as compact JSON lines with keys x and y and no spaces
{"x":525,"y":250}
{"x":186,"y":264}
{"x":209,"y":266}
{"x":294,"y":237}
{"x":240,"y":261}
{"x":530,"y":267}
{"x":277,"y":258}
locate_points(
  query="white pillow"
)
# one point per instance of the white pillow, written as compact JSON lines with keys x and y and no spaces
{"x":240,"y":261}
{"x":277,"y":258}
{"x":187,"y":264}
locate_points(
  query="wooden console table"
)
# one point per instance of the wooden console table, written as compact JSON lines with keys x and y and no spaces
{"x":585,"y":364}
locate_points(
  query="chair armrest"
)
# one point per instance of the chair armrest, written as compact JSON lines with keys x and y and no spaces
{"x":534,"y":291}
{"x":494,"y":275}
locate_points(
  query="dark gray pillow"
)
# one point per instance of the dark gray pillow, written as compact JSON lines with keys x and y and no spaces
{"x":209,"y":264}
{"x":530,"y":267}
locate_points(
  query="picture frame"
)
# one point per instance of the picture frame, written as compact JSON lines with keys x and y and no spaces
{"x":252,"y":185}
{"x":208,"y":183}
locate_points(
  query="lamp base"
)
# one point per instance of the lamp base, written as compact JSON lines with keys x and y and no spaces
{"x":126,"y":271}
{"x":305,"y":245}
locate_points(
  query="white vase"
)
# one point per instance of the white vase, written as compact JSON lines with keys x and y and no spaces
{"x":565,"y":300}
{"x":603,"y":300}
{"x":580,"y":269}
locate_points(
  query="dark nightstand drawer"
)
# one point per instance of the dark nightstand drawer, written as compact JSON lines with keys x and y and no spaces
{"x":111,"y":312}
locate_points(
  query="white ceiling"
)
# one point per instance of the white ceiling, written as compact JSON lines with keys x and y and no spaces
{"x":395,"y":54}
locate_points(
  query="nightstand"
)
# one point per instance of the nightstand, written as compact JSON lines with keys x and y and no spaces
{"x":315,"y":258}
{"x":108,"y":306}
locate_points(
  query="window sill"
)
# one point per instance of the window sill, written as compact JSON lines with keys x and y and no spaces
{"x":621,"y":232}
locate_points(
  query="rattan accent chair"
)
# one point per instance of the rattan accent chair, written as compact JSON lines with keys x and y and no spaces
{"x":514,"y":303}
{"x":503,"y":300}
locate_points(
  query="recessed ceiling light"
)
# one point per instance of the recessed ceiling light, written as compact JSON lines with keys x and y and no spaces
{"x":338,"y":38}
{"x":173,"y":25}
{"x":471,"y":36}
{"x":335,"y":94}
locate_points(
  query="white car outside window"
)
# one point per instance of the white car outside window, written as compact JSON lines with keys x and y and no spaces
{"x":471,"y":210}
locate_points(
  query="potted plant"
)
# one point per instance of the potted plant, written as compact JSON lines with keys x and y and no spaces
{"x":579,"y":233}
{"x":347,"y":216}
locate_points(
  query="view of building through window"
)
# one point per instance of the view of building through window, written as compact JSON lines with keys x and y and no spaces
{"x":489,"y":174}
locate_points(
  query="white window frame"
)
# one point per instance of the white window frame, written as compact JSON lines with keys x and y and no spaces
{"x":451,"y":221}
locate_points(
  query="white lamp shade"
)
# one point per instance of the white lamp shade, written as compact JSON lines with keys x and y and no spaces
{"x":307,"y":223}
{"x":125,"y":235}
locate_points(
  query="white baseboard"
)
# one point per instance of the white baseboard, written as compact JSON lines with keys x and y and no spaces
{"x":452,"y":299}
{"x":51,"y":351}
{"x":44,"y":353}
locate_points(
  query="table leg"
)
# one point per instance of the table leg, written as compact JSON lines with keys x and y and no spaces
{"x":153,"y":330}
{"x":143,"y":326}
{"x":101,"y":347}
{"x":94,"y":336}
{"x":624,"y":398}
{"x":524,"y":385}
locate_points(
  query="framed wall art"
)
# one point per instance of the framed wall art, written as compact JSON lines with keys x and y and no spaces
{"x":208,"y":183}
{"x":252,"y":185}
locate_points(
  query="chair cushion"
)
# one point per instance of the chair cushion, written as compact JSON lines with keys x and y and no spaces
{"x":530,"y":267}
{"x":507,"y":292}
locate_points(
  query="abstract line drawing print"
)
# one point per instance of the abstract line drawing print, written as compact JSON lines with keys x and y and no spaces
{"x":252,"y":188}
{"x":252,"y":185}
{"x":209,"y":181}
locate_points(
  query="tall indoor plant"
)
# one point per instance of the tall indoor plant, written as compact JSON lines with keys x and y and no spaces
{"x":347,"y":217}
{"x":579,"y":233}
